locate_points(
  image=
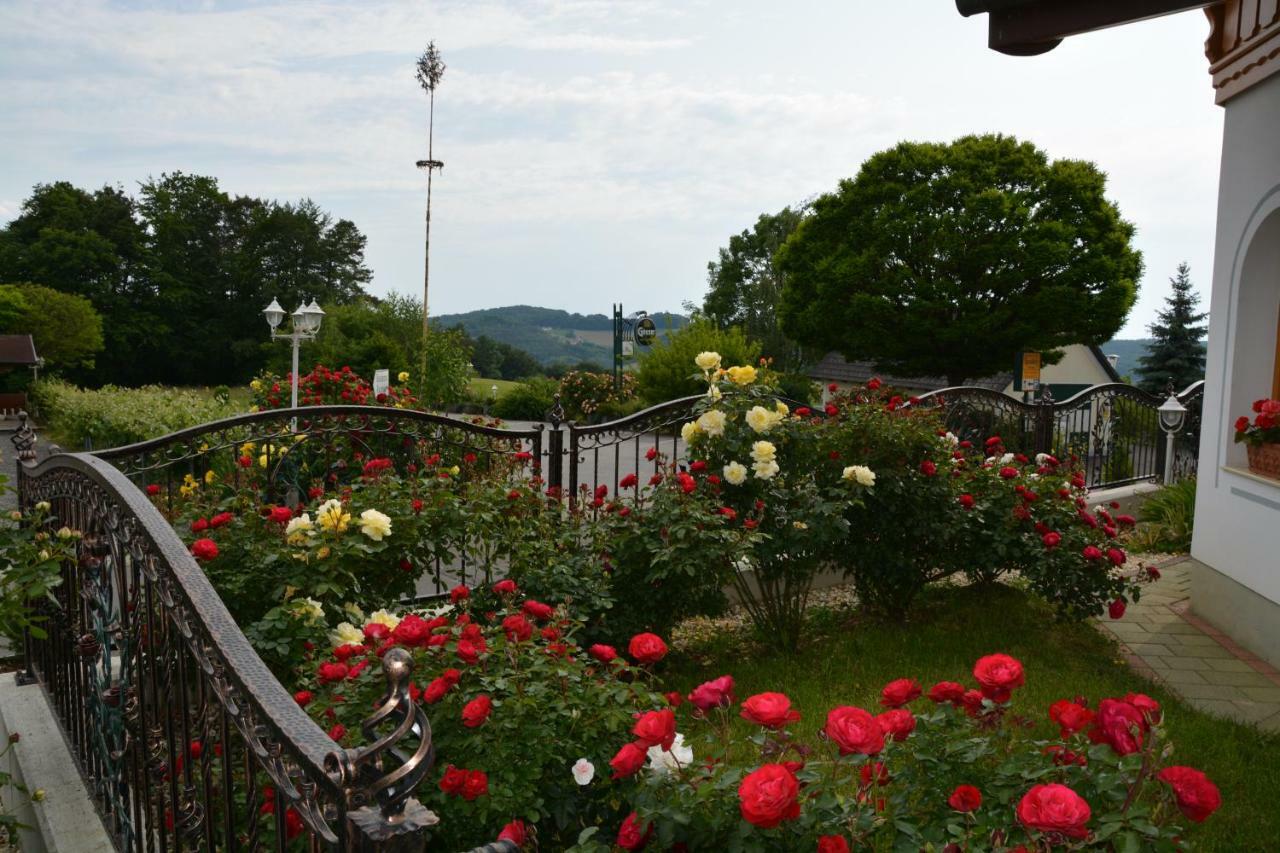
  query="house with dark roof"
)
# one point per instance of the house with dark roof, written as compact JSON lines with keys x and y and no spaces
{"x":1081,"y":367}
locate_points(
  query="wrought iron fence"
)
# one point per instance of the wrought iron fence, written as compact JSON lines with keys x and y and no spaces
{"x":1113,"y":430}
{"x":602,"y":454}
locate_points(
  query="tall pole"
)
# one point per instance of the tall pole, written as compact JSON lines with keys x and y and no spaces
{"x":430,"y":70}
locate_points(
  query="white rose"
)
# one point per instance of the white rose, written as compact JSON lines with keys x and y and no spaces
{"x":712,"y":422}
{"x":707,"y":361}
{"x":950,"y":438}
{"x":385,"y":617}
{"x":689,"y":431}
{"x":42,"y":506}
{"x":346,"y":634}
{"x":299,"y":525}
{"x":763,"y":451}
{"x":375,"y":525}
{"x":735,"y":474}
{"x":1042,"y":458}
{"x":583,"y":771}
{"x":664,"y":761}
{"x":1006,"y":459}
{"x":765,"y":468}
{"x":860,"y":474}
{"x":761,"y":419}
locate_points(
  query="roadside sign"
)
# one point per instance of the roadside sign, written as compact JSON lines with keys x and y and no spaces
{"x":381,"y":379}
{"x":1030,"y":370}
{"x":645,"y":331}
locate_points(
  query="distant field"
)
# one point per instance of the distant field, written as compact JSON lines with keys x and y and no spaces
{"x":483,"y":388}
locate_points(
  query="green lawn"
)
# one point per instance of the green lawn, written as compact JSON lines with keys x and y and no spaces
{"x":483,"y":388}
{"x":847,"y":660}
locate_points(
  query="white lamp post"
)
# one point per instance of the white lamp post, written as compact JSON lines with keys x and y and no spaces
{"x":1172,"y":415}
{"x":305,"y":326}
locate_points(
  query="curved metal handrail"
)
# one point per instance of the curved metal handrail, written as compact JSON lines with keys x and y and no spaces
{"x":635,"y":421}
{"x":1127,"y":390}
{"x":273,"y":724}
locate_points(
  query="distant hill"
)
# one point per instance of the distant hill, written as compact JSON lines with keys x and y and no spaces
{"x":549,"y":334}
{"x":1129,"y":351}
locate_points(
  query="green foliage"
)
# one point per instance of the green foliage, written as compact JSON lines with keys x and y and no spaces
{"x":1168,"y":518}
{"x":33,"y":547}
{"x":497,"y":360}
{"x":446,"y":369}
{"x":745,"y":286}
{"x":66,"y":329}
{"x":365,"y":335}
{"x":665,"y":371}
{"x":1176,"y":352}
{"x":585,"y":396}
{"x":180,"y":276}
{"x":111,"y":416}
{"x":934,"y":246}
{"x":528,"y":401}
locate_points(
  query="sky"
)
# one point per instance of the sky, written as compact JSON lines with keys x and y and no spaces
{"x":595,"y":151}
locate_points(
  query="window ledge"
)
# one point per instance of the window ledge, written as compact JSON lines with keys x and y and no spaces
{"x":1249,"y":475}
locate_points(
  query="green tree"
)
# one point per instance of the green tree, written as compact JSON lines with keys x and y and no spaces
{"x":447,"y":369}
{"x":948,"y":259}
{"x":66,"y":330}
{"x":745,"y":287}
{"x":667,"y":369}
{"x":1177,"y":352}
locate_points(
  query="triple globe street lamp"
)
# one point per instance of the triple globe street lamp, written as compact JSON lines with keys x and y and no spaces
{"x":305,"y":326}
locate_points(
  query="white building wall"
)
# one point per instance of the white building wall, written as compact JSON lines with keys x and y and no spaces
{"x":1237,"y":526}
{"x":1077,"y":367}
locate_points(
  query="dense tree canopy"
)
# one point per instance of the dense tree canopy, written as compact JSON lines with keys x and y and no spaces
{"x":1177,"y":352}
{"x":181,"y":274}
{"x":948,"y":259}
{"x":66,"y":330}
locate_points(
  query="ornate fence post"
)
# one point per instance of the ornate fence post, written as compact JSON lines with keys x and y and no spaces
{"x":382,"y":815}
{"x":24,"y":447}
{"x":555,"y":447}
{"x":1044,"y":422}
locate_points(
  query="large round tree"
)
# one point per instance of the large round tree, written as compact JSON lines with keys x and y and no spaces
{"x":948,"y":260}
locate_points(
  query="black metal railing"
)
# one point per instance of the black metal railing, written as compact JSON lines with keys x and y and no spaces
{"x":184,"y":737}
{"x":1113,"y":430}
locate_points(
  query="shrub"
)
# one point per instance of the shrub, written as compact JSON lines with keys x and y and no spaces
{"x":949,"y":773}
{"x":1168,"y":518}
{"x":33,"y":546}
{"x":446,"y":369}
{"x":528,"y":401}
{"x":583,"y":395}
{"x":113,"y":416}
{"x":325,"y":386}
{"x":664,"y":373}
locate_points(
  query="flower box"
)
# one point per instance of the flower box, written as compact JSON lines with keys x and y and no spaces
{"x":1264,"y":459}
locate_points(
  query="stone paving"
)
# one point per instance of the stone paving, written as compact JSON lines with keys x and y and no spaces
{"x":1163,"y":640}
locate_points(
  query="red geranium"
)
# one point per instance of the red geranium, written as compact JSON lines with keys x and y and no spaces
{"x":647,"y":648}
{"x":771,"y":710}
{"x":899,"y":692}
{"x":965,"y":798}
{"x":998,"y":675}
{"x":768,"y":796}
{"x":1055,"y":809}
{"x":1197,"y":796}
{"x":854,"y":730}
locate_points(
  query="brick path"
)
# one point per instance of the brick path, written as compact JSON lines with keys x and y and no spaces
{"x":1165,"y":642}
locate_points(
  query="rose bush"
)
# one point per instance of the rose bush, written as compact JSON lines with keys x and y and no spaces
{"x":326,"y":386}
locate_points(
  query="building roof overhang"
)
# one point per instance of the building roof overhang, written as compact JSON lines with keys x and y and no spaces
{"x":1032,"y":27}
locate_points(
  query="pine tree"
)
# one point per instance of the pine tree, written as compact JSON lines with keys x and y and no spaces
{"x":1177,"y":353}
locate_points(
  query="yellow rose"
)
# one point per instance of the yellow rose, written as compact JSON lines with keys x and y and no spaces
{"x":763,"y":451}
{"x":690,"y":431}
{"x":765,"y":468}
{"x":331,"y":516}
{"x":761,"y":419}
{"x":707,"y":361}
{"x":712,"y":422}
{"x":735,"y":474}
{"x":743,"y":375}
{"x":346,"y":634}
{"x":860,"y":474}
{"x":375,"y":525}
{"x":256,"y":385}
{"x":403,"y":376}
{"x":384,"y":617}
{"x":209,"y":476}
{"x":781,"y":408}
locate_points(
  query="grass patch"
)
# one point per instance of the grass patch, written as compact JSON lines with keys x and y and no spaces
{"x":848,"y":659}
{"x":482,"y":389}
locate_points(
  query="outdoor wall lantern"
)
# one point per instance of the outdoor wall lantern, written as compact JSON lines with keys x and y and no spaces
{"x":1172,"y":415}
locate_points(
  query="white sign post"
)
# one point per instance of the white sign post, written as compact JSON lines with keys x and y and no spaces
{"x":381,"y":380}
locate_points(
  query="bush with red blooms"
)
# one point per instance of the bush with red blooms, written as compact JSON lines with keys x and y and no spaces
{"x":1263,"y":428}
{"x":525,"y":720}
{"x":324,"y":386}
{"x":583,"y":393}
{"x":955,"y":777}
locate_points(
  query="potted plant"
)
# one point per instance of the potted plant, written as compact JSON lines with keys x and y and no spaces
{"x":1262,"y":437}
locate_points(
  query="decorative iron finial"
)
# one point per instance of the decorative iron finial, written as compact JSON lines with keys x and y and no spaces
{"x":556,"y":415}
{"x":1169,"y":390}
{"x":24,"y":439}
{"x":379,"y":777}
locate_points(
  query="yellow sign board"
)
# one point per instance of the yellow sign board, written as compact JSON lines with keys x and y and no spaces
{"x":1031,"y":368}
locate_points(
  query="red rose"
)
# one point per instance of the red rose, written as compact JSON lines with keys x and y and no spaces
{"x":803,"y":411}
{"x":899,"y":692}
{"x":651,"y":454}
{"x":476,"y":711}
{"x":854,"y":731}
{"x":538,"y":610}
{"x":998,"y":675}
{"x":204,"y":549}
{"x":476,"y":785}
{"x":416,"y":505}
{"x":1119,"y":724}
{"x":376,"y":631}
{"x":603,"y":653}
{"x":768,"y":796}
{"x":1051,"y":539}
{"x":281,"y":514}
{"x":771,"y":710}
{"x":1091,"y":552}
{"x":303,"y":698}
{"x":436,"y":690}
{"x":1197,"y":796}
{"x":718,"y":692}
{"x":946,"y":691}
{"x":1116,"y":556}
{"x":349,"y":650}
{"x":632,"y":835}
{"x":1064,"y":757}
{"x":647,"y":648}
{"x":459,"y":593}
{"x":515,"y":832}
{"x":674,"y":698}
{"x":222,"y":519}
{"x":1055,"y":809}
{"x":874,"y":772}
{"x":505,"y":587}
{"x":897,"y":723}
{"x":628,"y":760}
{"x":928,"y":468}
{"x":873,"y":384}
{"x":831,"y":410}
{"x":332,"y":671}
{"x":1008,"y":472}
{"x":1116,"y":608}
{"x":1149,"y":707}
{"x":965,"y":798}
{"x":199,"y":525}
{"x":656,"y":728}
{"x":153,"y":489}
{"x":966,"y":501}
{"x":468,"y":651}
{"x":413,"y":630}
{"x":628,"y":482}
{"x":833,"y":844}
{"x":337,"y":732}
{"x":517,"y":628}
{"x":1071,"y":717}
